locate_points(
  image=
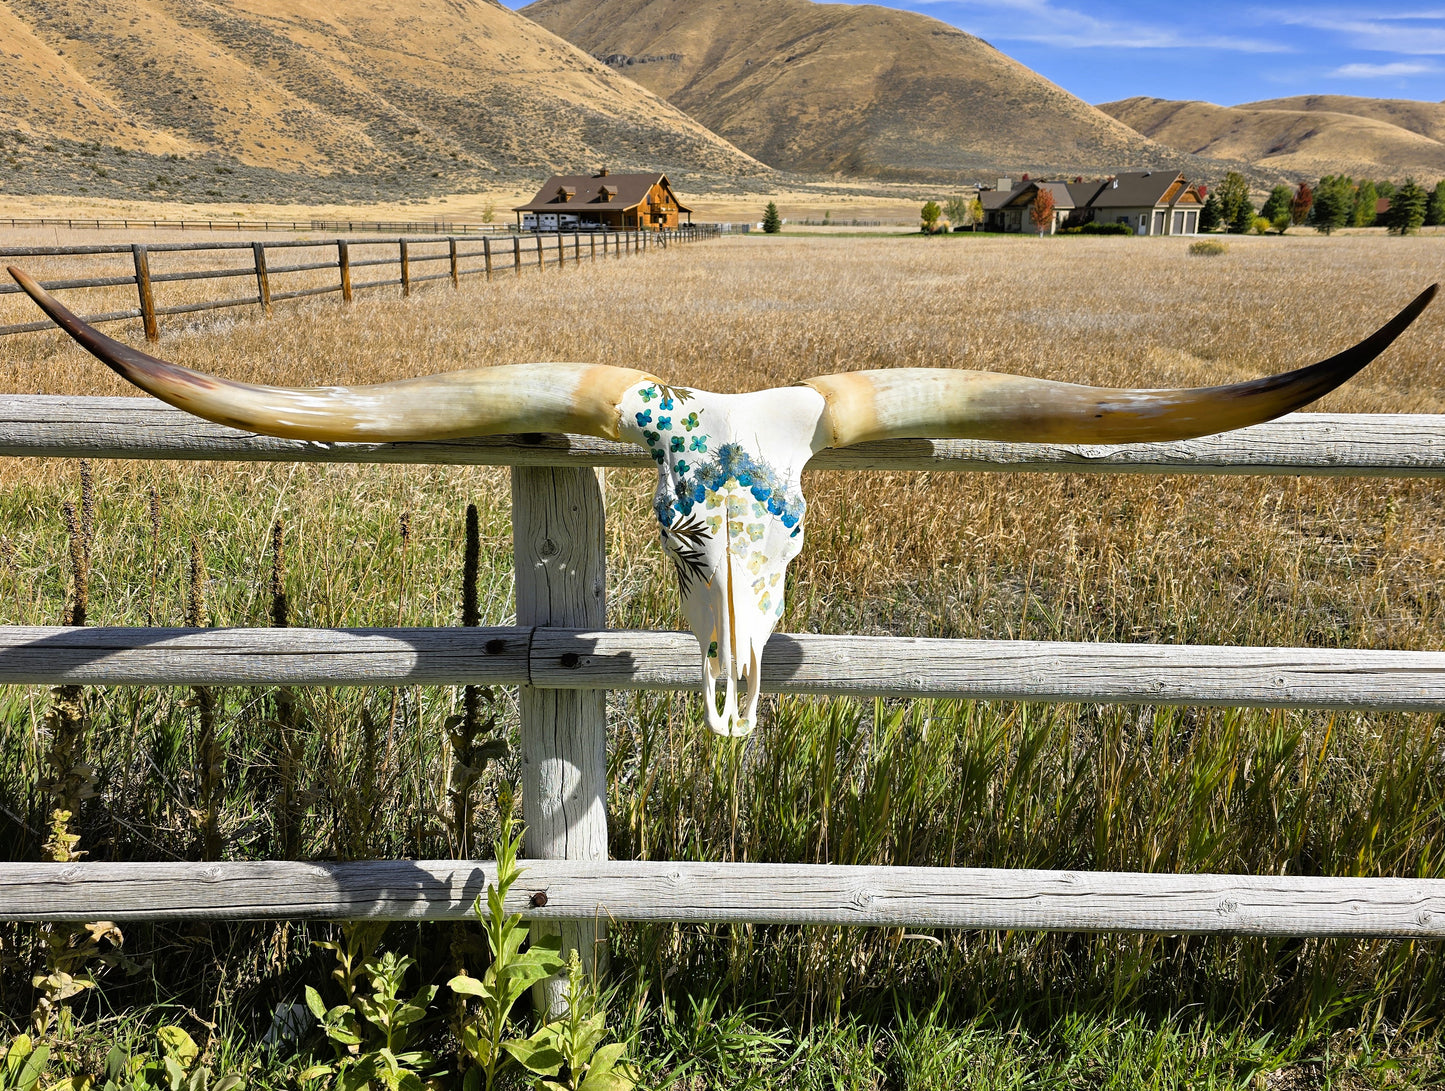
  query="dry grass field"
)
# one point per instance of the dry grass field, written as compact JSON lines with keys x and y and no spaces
{"x":1279,"y":561}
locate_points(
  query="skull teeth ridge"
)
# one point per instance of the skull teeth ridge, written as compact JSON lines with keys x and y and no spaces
{"x":730,"y":512}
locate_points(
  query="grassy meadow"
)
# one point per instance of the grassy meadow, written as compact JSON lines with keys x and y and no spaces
{"x":239,"y":773}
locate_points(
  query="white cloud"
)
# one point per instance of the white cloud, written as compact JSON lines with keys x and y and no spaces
{"x":1383,"y":71}
{"x":1408,"y":32}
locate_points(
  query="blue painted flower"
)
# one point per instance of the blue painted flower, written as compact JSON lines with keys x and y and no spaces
{"x":647,"y":394}
{"x":761,"y":492}
{"x":681,"y":467}
{"x":664,"y":423}
{"x":651,"y":437}
{"x":676,"y":445}
{"x":658,"y":456}
{"x":644,"y":418}
{"x":712,"y":650}
{"x":699,"y":492}
{"x":699,"y":443}
{"x":666,"y":402}
{"x":690,"y":421}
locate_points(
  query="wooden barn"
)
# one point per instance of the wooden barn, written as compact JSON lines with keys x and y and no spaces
{"x":589,"y":202}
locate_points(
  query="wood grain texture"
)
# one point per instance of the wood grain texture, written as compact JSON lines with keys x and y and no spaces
{"x":559,"y":525}
{"x":55,"y":655}
{"x":1013,"y":670}
{"x":557,"y":660}
{"x":827,"y":894}
{"x":1330,"y":444}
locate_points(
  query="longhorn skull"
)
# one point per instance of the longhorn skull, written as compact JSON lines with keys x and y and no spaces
{"x":729,"y":502}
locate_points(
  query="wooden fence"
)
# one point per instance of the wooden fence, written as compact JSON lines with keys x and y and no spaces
{"x":398,"y":227}
{"x":563,"y":659}
{"x":410,"y":258}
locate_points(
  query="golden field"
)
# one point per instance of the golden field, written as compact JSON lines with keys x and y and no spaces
{"x":348,"y":773}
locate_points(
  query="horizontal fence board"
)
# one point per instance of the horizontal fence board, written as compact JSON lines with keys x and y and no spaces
{"x":1330,"y":444}
{"x":807,"y":664}
{"x":826,"y":894}
{"x":1026,"y":670}
{"x":359,"y":657}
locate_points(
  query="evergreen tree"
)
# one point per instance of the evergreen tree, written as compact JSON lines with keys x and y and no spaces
{"x":1366,"y":198}
{"x":1334,"y":201}
{"x":1233,"y":197}
{"x":1211,"y":216}
{"x":1407,"y":209}
{"x":772,"y":222}
{"x":1386,"y":189}
{"x":1244,"y":216}
{"x":1277,"y":203}
{"x":1435,"y":210}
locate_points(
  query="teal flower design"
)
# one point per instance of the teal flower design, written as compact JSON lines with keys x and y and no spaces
{"x":676,"y":445}
{"x":651,"y":437}
{"x":699,"y":443}
{"x":690,"y":421}
{"x":681,"y":467}
{"x":648,"y":394}
{"x":665,"y":423}
{"x":644,"y":418}
{"x":667,"y":402}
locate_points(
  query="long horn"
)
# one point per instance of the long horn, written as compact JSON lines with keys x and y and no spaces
{"x":483,"y":401}
{"x":942,"y":403}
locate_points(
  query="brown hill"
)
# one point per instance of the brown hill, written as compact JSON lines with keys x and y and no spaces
{"x":1304,"y":137}
{"x":360,"y":92}
{"x":856,"y":89}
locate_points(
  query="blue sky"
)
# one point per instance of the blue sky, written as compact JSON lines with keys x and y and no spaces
{"x":1225,"y":52}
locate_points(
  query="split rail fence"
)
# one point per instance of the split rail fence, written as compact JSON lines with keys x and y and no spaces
{"x":331,"y":262}
{"x":564,"y":660}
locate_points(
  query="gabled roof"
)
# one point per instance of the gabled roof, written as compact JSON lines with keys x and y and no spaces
{"x":595,"y":193}
{"x":1024,"y":194}
{"x":1137,"y":189}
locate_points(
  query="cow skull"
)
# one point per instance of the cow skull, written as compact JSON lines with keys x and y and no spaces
{"x":729,"y":502}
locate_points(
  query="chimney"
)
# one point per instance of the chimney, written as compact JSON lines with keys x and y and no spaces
{"x":601,"y":173}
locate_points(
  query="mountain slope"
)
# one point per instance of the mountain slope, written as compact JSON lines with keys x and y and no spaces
{"x":1306,"y":137}
{"x":856,"y":89}
{"x":335,"y":88}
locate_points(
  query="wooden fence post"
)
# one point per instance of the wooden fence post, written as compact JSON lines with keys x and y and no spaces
{"x":143,"y":288}
{"x":452,"y":251}
{"x":487,"y":254}
{"x":405,"y":270}
{"x":343,"y":263}
{"x":517,"y":253}
{"x":592,"y":241}
{"x":263,"y":282}
{"x":541,"y":259}
{"x":558,"y":540}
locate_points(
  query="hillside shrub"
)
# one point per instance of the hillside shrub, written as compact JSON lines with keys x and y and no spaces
{"x":1206,"y":248}
{"x":1100,"y":229}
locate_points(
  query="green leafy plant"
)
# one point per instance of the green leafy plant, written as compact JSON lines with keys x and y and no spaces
{"x":928,"y":217}
{"x":373,"y":1031}
{"x":173,"y":1069}
{"x":24,"y":1064}
{"x":568,"y":1053}
{"x":485,"y":1035}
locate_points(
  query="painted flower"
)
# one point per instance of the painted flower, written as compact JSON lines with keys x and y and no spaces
{"x":651,"y":437}
{"x":712,"y":650}
{"x":665,"y":423}
{"x":667,"y":402}
{"x":755,"y":532}
{"x":676,"y":445}
{"x":658,"y":456}
{"x":647,"y":393}
{"x":690,"y":421}
{"x":644,"y":418}
{"x":699,"y":443}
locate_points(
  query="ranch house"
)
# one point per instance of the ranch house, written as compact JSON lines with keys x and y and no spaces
{"x":1149,"y":202}
{"x":591,"y":202}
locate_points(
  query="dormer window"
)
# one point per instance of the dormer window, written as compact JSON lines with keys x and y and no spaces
{"x":563,"y":195}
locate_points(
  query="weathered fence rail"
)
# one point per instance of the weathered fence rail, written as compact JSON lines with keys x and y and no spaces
{"x":400,"y":227}
{"x":623,"y":890}
{"x":464,"y":257}
{"x":564,"y":660}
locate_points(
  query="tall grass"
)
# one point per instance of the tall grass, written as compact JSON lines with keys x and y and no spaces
{"x":338,"y":773}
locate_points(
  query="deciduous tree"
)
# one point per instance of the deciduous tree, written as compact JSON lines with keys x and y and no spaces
{"x":929,"y":216}
{"x":957,"y":211}
{"x":1366,"y":198}
{"x":1233,"y":197}
{"x":1299,"y":205}
{"x":1041,"y":210}
{"x":1277,"y":202}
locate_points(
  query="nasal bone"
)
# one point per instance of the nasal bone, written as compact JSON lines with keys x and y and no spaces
{"x":730,"y":661}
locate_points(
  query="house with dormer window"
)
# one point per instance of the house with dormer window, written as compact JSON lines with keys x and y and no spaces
{"x":622,"y":202}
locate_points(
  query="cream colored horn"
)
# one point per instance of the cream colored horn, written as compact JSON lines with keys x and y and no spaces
{"x":482,"y":401}
{"x":941,"y":403}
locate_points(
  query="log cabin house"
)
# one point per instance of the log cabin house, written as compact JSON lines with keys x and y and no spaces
{"x":591,"y":202}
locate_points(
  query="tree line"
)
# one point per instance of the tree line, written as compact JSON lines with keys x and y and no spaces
{"x":1335,"y":201}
